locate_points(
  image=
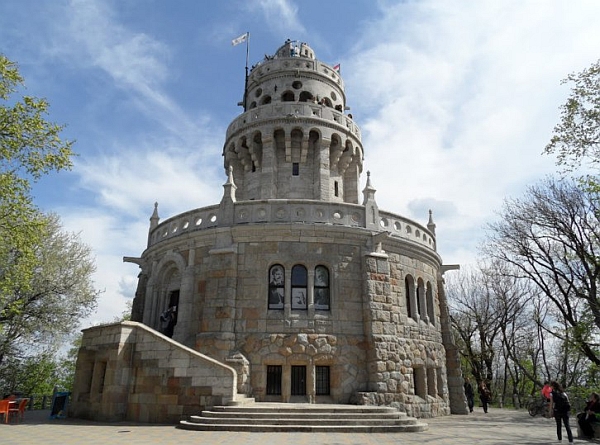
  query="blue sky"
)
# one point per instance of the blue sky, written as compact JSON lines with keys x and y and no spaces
{"x":456,"y":101}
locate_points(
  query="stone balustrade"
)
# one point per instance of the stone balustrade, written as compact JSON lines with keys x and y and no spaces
{"x":274,"y":211}
{"x":302,"y":65}
{"x":321,"y":114}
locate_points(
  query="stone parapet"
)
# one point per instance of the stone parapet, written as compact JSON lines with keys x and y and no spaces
{"x":304,"y":113}
{"x":290,"y":211}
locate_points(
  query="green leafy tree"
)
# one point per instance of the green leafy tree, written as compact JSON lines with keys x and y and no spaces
{"x":59,"y":293}
{"x":45,"y":274}
{"x":30,"y":147}
{"x":576,"y":138}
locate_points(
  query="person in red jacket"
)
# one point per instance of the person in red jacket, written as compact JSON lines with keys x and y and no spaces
{"x":547,"y":395}
{"x":547,"y":390}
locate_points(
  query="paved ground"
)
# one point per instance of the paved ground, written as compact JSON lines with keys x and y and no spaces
{"x":498,"y":427}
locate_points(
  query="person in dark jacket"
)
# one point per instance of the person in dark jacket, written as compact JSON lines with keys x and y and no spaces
{"x":469,"y":394}
{"x":589,"y":415}
{"x":561,"y":407}
{"x":485,"y":395}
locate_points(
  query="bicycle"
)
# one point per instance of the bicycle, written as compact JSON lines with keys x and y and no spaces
{"x":538,"y":406}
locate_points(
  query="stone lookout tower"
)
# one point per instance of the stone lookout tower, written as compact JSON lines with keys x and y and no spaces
{"x":296,"y":279}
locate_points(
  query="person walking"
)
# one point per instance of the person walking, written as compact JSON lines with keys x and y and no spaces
{"x":485,"y":396}
{"x":469,"y":394}
{"x":560,"y":407}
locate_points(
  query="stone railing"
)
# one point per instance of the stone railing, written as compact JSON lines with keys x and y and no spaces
{"x":406,"y":228}
{"x":298,"y":64}
{"x":322,"y":115}
{"x":290,"y":211}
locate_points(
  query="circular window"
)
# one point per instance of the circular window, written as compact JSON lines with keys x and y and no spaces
{"x":258,"y":92}
{"x":297,"y":85}
{"x":333,"y":95}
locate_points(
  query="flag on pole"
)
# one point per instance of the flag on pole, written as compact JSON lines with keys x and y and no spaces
{"x":239,"y":39}
{"x":336,"y":68}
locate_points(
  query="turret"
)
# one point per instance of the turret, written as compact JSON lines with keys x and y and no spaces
{"x":295,"y":141}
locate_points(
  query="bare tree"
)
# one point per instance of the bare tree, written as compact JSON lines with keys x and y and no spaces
{"x":475,"y":322}
{"x":551,"y":238}
{"x":512,"y":304}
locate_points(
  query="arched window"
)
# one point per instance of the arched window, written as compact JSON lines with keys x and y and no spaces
{"x":430,"y":303}
{"x":326,"y":102}
{"x":299,"y":287}
{"x":276,"y":287}
{"x":288,"y":96}
{"x":306,"y":96}
{"x":421,"y":310}
{"x":265,"y":100}
{"x":409,"y":288}
{"x":322,"y":295}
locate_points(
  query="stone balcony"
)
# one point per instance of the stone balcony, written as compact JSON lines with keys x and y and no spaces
{"x":322,"y":116}
{"x":274,"y":211}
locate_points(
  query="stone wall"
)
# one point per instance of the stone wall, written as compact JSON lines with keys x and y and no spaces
{"x":127,"y":371}
{"x":406,"y":358}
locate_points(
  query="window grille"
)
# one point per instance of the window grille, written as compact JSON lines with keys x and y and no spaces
{"x":273,"y":380}
{"x":322,"y":380}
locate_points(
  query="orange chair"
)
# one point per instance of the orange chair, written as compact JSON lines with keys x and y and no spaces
{"x":5,"y":409}
{"x":19,"y":410}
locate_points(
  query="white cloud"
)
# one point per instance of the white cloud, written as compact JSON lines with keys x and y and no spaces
{"x":91,"y":37}
{"x":178,"y":180}
{"x":459,"y":100}
{"x":456,"y":101}
{"x":111,"y":237}
{"x":280,"y":15}
{"x":176,"y":163}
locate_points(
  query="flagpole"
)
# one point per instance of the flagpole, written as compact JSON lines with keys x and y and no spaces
{"x":246,"y":78}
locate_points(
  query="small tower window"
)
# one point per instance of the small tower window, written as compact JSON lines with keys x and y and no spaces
{"x":288,"y":96}
{"x":336,"y":189}
{"x":295,"y":169}
{"x":306,"y":96}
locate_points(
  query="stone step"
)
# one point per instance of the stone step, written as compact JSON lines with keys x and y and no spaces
{"x":267,"y":407}
{"x":305,"y":428}
{"x":242,"y":400}
{"x":301,"y":420}
{"x":303,"y":417}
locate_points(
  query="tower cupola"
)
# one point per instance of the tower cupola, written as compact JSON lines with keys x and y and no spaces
{"x":295,"y":140}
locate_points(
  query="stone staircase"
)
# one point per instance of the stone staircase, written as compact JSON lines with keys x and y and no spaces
{"x":303,"y":417}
